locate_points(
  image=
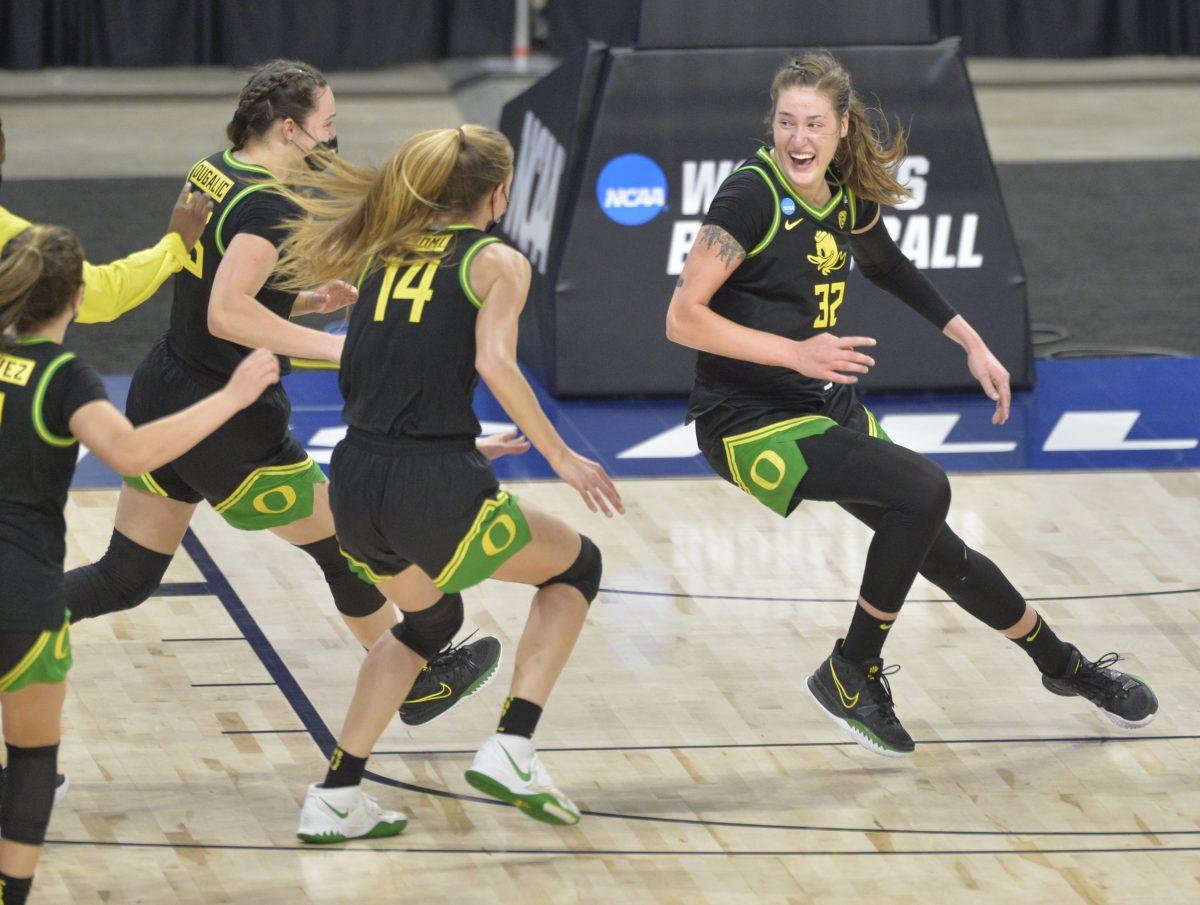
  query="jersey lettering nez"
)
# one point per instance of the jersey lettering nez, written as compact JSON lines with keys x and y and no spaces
{"x":408,"y":369}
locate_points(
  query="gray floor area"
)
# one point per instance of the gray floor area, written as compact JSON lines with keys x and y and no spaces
{"x":1099,"y":162}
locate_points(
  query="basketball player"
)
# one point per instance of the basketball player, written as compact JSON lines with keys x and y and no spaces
{"x":49,"y":401}
{"x":774,"y":402}
{"x":112,"y":289}
{"x":418,"y":510}
{"x":252,"y":470}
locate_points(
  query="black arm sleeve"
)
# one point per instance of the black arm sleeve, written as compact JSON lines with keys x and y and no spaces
{"x":882,"y":262}
{"x":744,"y":208}
{"x":74,"y":386}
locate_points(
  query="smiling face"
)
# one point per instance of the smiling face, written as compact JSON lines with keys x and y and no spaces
{"x":806,"y":130}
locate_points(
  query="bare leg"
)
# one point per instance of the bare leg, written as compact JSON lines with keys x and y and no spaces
{"x":154,"y":522}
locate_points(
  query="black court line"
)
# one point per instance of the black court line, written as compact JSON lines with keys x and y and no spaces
{"x":227,"y":638}
{"x":230,"y":684}
{"x":325,"y":740}
{"x":611,"y":852}
{"x":631,"y":593}
{"x":1095,"y":739}
{"x":182,"y":589}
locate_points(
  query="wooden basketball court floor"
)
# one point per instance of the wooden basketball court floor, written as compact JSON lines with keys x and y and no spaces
{"x":682,"y":726}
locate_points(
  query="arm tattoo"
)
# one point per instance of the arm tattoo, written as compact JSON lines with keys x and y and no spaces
{"x":728,"y":250}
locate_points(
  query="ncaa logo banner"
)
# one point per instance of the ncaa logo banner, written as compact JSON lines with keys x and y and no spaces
{"x":632,"y":189}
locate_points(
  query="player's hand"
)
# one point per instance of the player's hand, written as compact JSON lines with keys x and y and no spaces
{"x":257,"y":371}
{"x":590,"y":479}
{"x":994,"y":379}
{"x":192,"y":210}
{"x":832,"y":358}
{"x":510,"y":443}
{"x":331,"y":297}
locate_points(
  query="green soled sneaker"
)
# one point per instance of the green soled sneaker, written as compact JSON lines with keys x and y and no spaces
{"x":1126,"y":700}
{"x":857,"y":697}
{"x":456,"y":673}
{"x":508,"y":768}
{"x":335,"y":815}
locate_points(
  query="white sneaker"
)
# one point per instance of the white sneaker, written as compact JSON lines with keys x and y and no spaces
{"x":508,"y":768}
{"x":335,"y":815}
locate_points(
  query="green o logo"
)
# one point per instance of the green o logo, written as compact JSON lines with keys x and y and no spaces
{"x":775,"y":461}
{"x":490,"y":547}
{"x":289,"y":500}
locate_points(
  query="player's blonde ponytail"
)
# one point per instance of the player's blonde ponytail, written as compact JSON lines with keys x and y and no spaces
{"x":41,"y":267}
{"x":353,"y":213}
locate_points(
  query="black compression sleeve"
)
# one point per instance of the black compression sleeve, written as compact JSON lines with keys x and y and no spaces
{"x":882,"y":262}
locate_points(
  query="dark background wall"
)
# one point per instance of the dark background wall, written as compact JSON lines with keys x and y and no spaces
{"x":366,"y":34}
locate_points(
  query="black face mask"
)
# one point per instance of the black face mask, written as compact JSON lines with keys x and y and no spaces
{"x":312,"y":157}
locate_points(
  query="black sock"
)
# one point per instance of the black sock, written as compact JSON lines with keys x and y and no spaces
{"x":1049,"y":652}
{"x":344,"y":770}
{"x":14,"y":890}
{"x":519,"y":717}
{"x":865,"y":637}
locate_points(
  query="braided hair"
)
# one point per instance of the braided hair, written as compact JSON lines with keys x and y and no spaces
{"x":280,"y":89}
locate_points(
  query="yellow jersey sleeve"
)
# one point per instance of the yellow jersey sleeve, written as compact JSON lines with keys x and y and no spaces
{"x":110,"y":290}
{"x":10,"y":225}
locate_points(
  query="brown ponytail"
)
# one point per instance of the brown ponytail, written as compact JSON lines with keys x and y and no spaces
{"x":41,"y":267}
{"x":280,"y":89}
{"x":354,"y":213}
{"x":866,"y":160}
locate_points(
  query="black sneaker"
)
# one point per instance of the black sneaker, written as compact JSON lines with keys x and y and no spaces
{"x":857,"y":697}
{"x":456,"y":673}
{"x":1126,"y":700}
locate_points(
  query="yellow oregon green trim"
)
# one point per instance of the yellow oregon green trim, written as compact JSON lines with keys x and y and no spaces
{"x":279,"y":470}
{"x":787,"y":184}
{"x":457,"y":226}
{"x":232,"y":161}
{"x":775,"y":209}
{"x":460,"y":553}
{"x":152,"y":485}
{"x":367,"y":570}
{"x":853,"y":213}
{"x":32,"y":654}
{"x":31,"y":340}
{"x":39,"y":422}
{"x":464,"y":269}
{"x":362,"y":276}
{"x":225,"y":213}
{"x":758,"y":434}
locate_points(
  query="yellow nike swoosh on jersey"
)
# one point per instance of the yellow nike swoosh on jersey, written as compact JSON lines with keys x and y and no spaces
{"x":444,"y":692}
{"x":792,"y":224}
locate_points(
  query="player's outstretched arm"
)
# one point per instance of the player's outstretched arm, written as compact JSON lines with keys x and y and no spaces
{"x":113,"y":289}
{"x":500,"y":276}
{"x":235,"y":314}
{"x":128,"y":450}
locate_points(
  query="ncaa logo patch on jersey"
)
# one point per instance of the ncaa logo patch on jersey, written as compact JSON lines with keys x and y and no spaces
{"x":788,"y":206}
{"x":631,"y":189}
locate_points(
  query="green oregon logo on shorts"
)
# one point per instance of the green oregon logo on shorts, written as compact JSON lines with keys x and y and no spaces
{"x":766,"y":462}
{"x":48,"y":661}
{"x":272,"y":496}
{"x":499,"y":531}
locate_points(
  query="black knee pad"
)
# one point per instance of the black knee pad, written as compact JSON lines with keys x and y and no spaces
{"x":351,"y":595}
{"x":29,"y":781}
{"x":583,"y":574}
{"x":930,"y":490}
{"x":427,"y":631}
{"x":125,"y":576}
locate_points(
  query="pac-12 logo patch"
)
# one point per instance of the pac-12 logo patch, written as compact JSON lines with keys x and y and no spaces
{"x":632,"y":189}
{"x":788,"y":206}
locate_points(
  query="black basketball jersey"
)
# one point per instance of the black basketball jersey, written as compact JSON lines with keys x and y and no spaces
{"x":242,"y":202}
{"x":792,"y":281}
{"x":408,"y":369}
{"x":41,"y":387}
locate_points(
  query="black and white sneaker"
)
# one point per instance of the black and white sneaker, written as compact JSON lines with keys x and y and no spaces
{"x":857,"y":696}
{"x":456,"y":673}
{"x":1125,"y":699}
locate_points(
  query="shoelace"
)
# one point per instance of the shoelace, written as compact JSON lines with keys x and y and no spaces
{"x":1093,"y":675}
{"x":452,"y":651}
{"x":883,"y":698}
